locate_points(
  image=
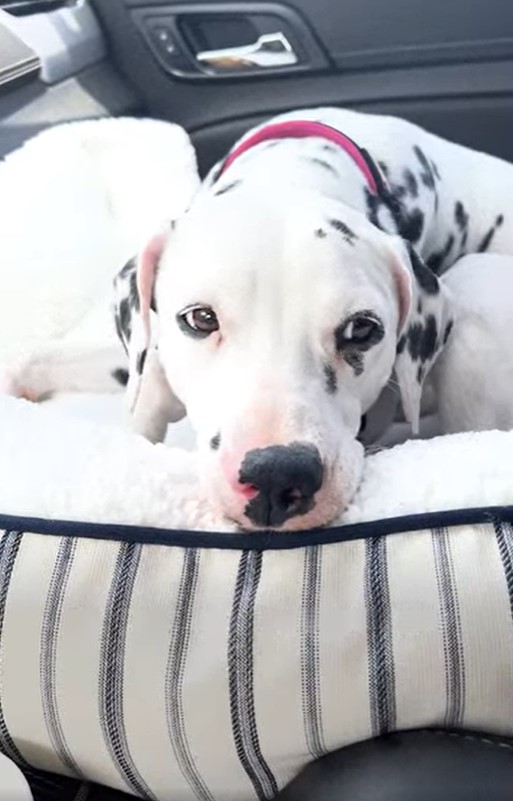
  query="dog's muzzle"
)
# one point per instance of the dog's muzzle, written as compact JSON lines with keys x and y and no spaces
{"x":281,"y":482}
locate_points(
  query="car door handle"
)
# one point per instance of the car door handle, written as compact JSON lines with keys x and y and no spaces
{"x":270,"y":51}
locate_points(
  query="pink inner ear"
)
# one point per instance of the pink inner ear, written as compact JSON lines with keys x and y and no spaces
{"x":146,"y":268}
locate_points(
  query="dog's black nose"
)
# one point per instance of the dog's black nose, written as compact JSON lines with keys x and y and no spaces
{"x":286,"y":478}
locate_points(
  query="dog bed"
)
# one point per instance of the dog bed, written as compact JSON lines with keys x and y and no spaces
{"x":146,"y":647}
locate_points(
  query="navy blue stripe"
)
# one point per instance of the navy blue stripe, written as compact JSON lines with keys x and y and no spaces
{"x":48,"y":657}
{"x":504,"y":538}
{"x":177,"y":660}
{"x":9,"y":547}
{"x":240,"y":677}
{"x":451,"y":629}
{"x":112,"y":662}
{"x":261,"y":541}
{"x":310,"y":668}
{"x":379,"y":638}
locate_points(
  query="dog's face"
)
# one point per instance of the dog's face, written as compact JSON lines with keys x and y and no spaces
{"x":278,"y":323}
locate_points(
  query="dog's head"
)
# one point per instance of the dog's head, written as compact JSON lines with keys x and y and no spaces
{"x":280,"y":320}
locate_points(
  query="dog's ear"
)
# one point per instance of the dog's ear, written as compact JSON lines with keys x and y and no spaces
{"x":133,"y":307}
{"x":424,"y":325}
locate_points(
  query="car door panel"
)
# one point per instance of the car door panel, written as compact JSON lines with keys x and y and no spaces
{"x":449,"y":69}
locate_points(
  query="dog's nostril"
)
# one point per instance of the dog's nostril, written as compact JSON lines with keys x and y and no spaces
{"x":284,"y":480}
{"x":291,"y":496}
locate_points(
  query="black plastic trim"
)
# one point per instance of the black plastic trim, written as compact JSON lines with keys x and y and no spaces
{"x":258,"y":541}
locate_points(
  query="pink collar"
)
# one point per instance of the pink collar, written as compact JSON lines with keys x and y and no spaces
{"x":299,"y":129}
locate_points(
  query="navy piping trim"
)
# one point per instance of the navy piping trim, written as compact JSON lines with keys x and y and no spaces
{"x":258,"y":541}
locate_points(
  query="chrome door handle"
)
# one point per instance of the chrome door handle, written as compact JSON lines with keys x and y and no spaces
{"x":271,"y":50}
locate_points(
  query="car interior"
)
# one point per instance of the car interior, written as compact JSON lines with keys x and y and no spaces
{"x":218,"y":68}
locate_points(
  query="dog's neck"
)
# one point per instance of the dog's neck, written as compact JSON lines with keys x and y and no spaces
{"x":315,"y":157}
{"x":311,"y":129}
{"x":310,"y":164}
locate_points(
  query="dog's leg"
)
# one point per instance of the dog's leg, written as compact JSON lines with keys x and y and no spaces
{"x":156,"y":405}
{"x":87,"y":358}
{"x":65,"y":367}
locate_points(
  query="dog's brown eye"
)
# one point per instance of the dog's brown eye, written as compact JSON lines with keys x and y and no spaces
{"x":360,"y":331}
{"x":199,"y":321}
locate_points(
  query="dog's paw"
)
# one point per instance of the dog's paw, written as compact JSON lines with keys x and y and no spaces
{"x":12,"y":385}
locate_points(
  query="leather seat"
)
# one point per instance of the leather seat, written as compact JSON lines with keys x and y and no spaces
{"x":411,"y":766}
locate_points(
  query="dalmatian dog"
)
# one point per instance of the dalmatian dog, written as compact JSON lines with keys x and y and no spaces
{"x":473,"y":375}
{"x":302,"y":281}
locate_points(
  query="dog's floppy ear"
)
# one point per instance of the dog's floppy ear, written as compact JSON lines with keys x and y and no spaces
{"x":133,"y":307}
{"x":424,"y":325}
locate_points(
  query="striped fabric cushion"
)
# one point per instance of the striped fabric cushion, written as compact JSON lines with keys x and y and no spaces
{"x":179,"y":665}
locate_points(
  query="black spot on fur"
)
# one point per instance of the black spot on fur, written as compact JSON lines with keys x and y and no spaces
{"x":129,"y":267}
{"x":120,"y":375}
{"x":320,"y":233}
{"x":363,"y":424}
{"x":401,"y":344}
{"x":331,"y":379}
{"x":330,"y":148}
{"x":419,"y":306}
{"x":324,"y":164}
{"x":447,"y":332}
{"x":172,"y":225}
{"x":429,"y":339}
{"x":412,"y":186}
{"x":427,"y":175}
{"x":398,"y":191}
{"x":373,"y":203}
{"x":354,"y":358}
{"x":215,"y":442}
{"x":414,"y":336}
{"x":411,"y":225}
{"x":420,"y":374}
{"x":487,"y":239}
{"x":404,"y":223}
{"x":436,"y":171}
{"x":422,"y":339}
{"x":436,"y":261}
{"x":119,"y":330}
{"x":425,"y":278}
{"x":461,"y":216}
{"x":384,"y":168}
{"x":348,"y":235}
{"x":141,"y":361}
{"x":134,"y":292}
{"x":227,"y":188}
{"x":125,"y":319}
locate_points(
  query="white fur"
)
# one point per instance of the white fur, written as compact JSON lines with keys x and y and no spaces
{"x":76,"y":202}
{"x":473,"y":376}
{"x":53,"y":464}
